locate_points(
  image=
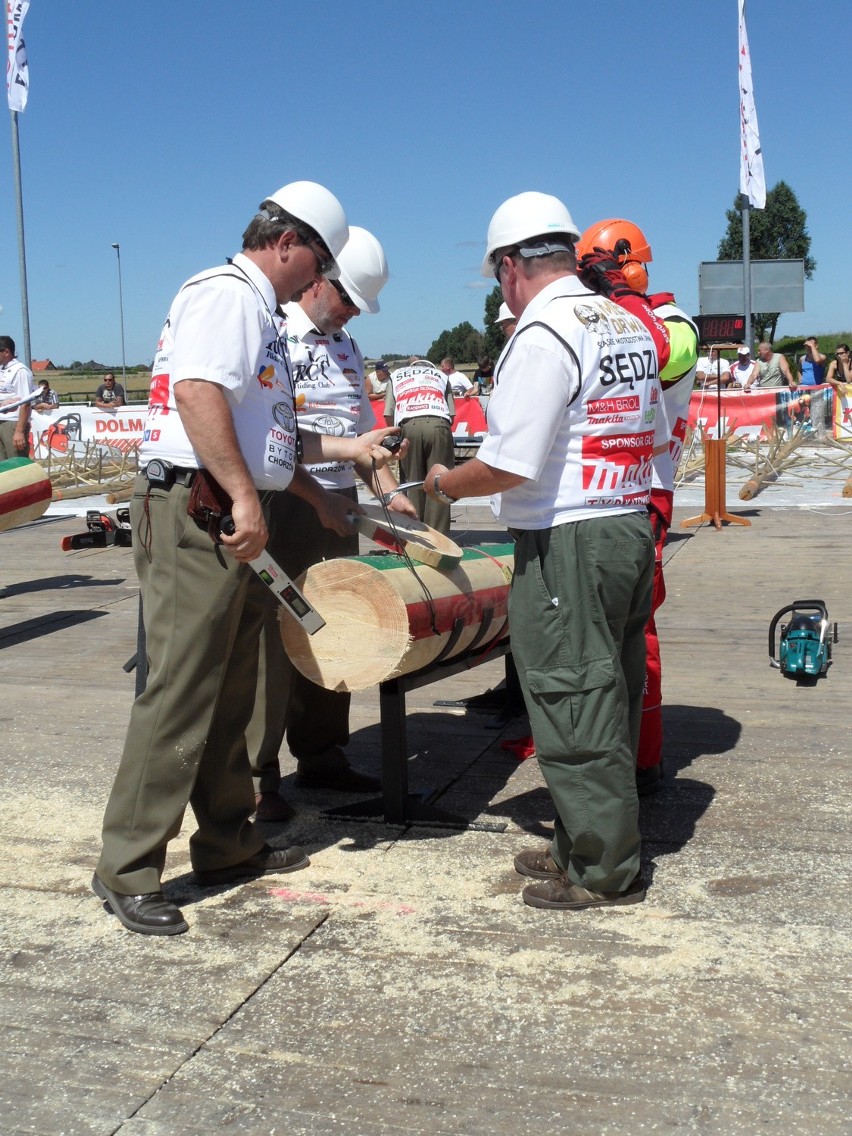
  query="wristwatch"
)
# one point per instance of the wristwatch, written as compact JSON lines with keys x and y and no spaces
{"x":438,"y":491}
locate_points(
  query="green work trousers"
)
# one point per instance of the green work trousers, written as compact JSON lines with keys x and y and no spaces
{"x":581,"y":596}
{"x":431,"y":443}
{"x":186,"y":738}
{"x":315,"y":720}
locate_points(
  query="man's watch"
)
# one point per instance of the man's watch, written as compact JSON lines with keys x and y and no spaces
{"x":438,"y":491}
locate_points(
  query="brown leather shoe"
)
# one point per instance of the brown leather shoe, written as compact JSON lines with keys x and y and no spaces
{"x":149,"y":914}
{"x":561,"y":894}
{"x":268,"y":861}
{"x":538,"y":863}
{"x":272,"y":808}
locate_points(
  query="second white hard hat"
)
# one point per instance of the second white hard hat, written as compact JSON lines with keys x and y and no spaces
{"x":524,"y":216}
{"x":318,"y":207}
{"x":505,"y":314}
{"x":363,"y":268}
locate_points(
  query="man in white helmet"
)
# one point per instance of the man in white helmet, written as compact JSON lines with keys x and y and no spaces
{"x":571,"y":427}
{"x":220,"y":430}
{"x":309,"y":525}
{"x":506,"y":321}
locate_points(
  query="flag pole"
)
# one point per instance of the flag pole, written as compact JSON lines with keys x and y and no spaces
{"x":745,"y":205}
{"x":22,"y":254}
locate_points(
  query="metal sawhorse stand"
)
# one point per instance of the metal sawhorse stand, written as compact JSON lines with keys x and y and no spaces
{"x":396,"y":805}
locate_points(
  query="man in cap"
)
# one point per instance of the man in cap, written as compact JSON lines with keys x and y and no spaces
{"x":309,"y":524}
{"x":568,"y":457}
{"x":16,"y":384}
{"x":377,"y":382}
{"x":745,"y":372}
{"x":220,"y":430}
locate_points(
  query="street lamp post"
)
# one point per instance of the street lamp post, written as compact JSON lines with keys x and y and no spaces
{"x":121,"y":313}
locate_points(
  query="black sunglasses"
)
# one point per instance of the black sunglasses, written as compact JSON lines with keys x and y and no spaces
{"x":325,"y":261}
{"x":343,"y":294}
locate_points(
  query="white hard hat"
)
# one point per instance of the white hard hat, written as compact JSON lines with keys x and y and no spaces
{"x":318,"y":207}
{"x":363,"y":268}
{"x":505,"y":314}
{"x":525,"y":216}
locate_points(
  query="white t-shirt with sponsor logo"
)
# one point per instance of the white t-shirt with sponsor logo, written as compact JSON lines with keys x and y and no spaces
{"x":575,"y":410}
{"x":331,"y":397}
{"x":221,"y":329}
{"x":419,"y":391}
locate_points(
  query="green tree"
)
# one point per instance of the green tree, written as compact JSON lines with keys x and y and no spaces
{"x":463,"y":342}
{"x":493,"y":338}
{"x":778,"y":232}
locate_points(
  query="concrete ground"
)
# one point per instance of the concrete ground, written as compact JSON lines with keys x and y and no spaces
{"x":399,"y":985}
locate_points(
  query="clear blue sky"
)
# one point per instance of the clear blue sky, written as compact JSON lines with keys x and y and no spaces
{"x":163,"y":125}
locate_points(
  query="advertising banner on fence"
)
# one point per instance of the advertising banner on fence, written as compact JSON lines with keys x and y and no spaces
{"x":58,"y":430}
{"x":751,"y":412}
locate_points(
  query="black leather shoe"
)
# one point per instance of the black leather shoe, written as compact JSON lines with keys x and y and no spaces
{"x":267,"y":862}
{"x":344,"y":779}
{"x":149,"y":914}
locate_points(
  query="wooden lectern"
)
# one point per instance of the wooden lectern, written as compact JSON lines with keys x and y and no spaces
{"x":715,"y":456}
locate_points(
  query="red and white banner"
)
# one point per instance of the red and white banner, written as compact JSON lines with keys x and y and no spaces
{"x":753,"y":412}
{"x":17,"y":68}
{"x":71,"y":427}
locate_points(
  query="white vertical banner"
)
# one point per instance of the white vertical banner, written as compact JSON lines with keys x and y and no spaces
{"x":752,"y":180}
{"x":17,"y":69}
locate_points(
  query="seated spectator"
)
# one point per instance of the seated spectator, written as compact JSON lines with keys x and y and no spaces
{"x":709,"y":367}
{"x":460,"y":384}
{"x":774,"y":370}
{"x":377,"y":381}
{"x":47,"y":399}
{"x":745,"y":371}
{"x":110,"y":394}
{"x":483,"y":376}
{"x":840,"y":368}
{"x":812,"y":364}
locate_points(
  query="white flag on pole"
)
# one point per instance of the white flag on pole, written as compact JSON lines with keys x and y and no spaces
{"x":752,"y":181}
{"x":17,"y":69}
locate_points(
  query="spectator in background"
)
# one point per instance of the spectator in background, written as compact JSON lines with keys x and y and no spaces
{"x":774,"y":370}
{"x":483,"y":376}
{"x":506,"y":321}
{"x":48,"y":399}
{"x":745,"y":370}
{"x":840,"y":368}
{"x":16,"y":382}
{"x":460,"y":384}
{"x":377,"y":381}
{"x":110,"y":394}
{"x":812,"y":364}
{"x":709,"y":367}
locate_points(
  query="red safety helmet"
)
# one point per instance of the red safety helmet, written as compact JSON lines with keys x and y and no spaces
{"x":629,"y":244}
